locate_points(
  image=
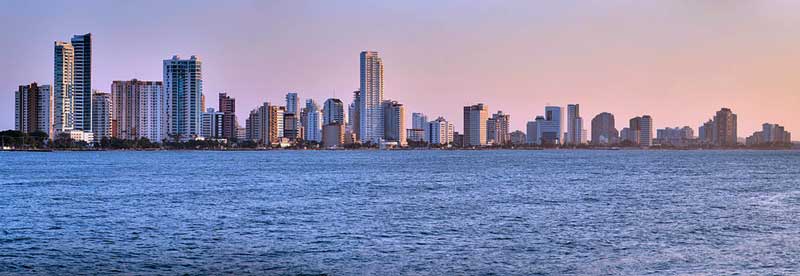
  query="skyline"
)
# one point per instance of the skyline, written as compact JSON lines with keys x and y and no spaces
{"x":466,"y":74}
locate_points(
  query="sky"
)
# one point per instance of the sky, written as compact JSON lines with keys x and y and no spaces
{"x":678,"y":61}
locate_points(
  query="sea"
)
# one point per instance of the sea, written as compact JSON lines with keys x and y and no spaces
{"x":415,"y":212}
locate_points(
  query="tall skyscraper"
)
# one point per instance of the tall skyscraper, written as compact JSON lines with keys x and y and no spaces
{"x":313,"y":128}
{"x":138,"y":109}
{"x":82,"y":82}
{"x":497,"y":128}
{"x":394,"y":122}
{"x":33,"y":109}
{"x":574,"y":125}
{"x":333,"y":112}
{"x":418,"y":120}
{"x":646,"y":131}
{"x":102,"y":115}
{"x":725,"y":129}
{"x":292,"y":103}
{"x":63,"y":87}
{"x":227,"y":105}
{"x":604,"y":130}
{"x":183,"y":86}
{"x":475,"y":117}
{"x":371,"y":97}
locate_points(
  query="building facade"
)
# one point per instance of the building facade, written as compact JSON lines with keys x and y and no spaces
{"x":333,"y":112}
{"x":313,"y":125}
{"x":418,"y":120}
{"x":227,"y":105}
{"x":394,"y":122}
{"x":63,"y":86}
{"x":183,"y":87}
{"x":138,"y":108}
{"x":574,"y":135}
{"x":333,"y":135}
{"x":33,"y":109}
{"x":212,"y":124}
{"x":497,"y":132}
{"x":102,"y":115}
{"x":475,"y":117}
{"x":439,"y":132}
{"x":371,"y":97}
{"x":604,"y":130}
{"x":724,"y":132}
{"x":82,"y":82}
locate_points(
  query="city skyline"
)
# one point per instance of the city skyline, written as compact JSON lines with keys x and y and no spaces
{"x":461,"y":76}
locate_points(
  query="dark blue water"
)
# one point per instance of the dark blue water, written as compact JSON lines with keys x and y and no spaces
{"x":401,"y":213}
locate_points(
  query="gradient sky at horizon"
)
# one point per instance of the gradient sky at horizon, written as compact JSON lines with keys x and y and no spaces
{"x":679,"y":61}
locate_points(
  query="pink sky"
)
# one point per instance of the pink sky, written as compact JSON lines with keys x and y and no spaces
{"x":679,"y":61}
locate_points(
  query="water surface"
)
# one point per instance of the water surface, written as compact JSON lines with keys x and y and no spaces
{"x":401,"y":212}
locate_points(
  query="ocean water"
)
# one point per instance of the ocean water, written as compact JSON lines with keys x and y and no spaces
{"x":401,"y":213}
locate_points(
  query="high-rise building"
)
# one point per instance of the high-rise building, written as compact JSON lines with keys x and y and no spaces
{"x":255,"y":124}
{"x":276,"y":123}
{"x":706,"y":132}
{"x":724,"y":131}
{"x":546,"y":129}
{"x":333,"y":135}
{"x":102,"y":115}
{"x":418,"y":120}
{"x":532,"y":131}
{"x":497,"y":128}
{"x":604,"y":131}
{"x":371,"y":97}
{"x":634,"y":130}
{"x":33,"y":109}
{"x":290,"y":123}
{"x":183,"y":87}
{"x":292,"y":103}
{"x":574,"y":125}
{"x":475,"y":117}
{"x":333,"y":112}
{"x":354,"y":116}
{"x":646,"y":131}
{"x":82,"y":82}
{"x":394,"y":122}
{"x":63,"y":86}
{"x":138,"y":108}
{"x":212,"y":124}
{"x":439,"y":132}
{"x":227,"y":105}
{"x":313,"y":127}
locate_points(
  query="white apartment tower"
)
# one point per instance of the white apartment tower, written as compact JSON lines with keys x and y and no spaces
{"x":371,"y":97}
{"x":63,"y":85}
